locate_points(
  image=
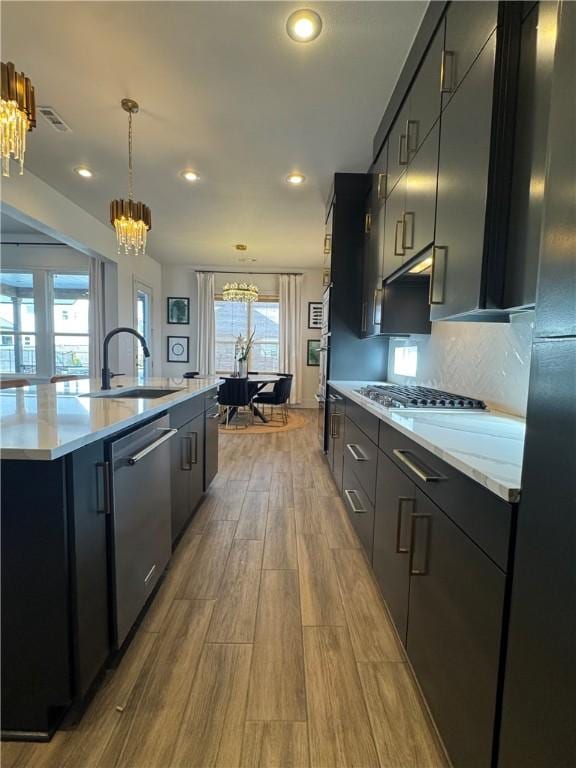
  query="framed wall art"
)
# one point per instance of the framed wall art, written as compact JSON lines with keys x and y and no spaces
{"x":313,"y":352}
{"x":178,"y":349}
{"x":178,"y":310}
{"x":314,"y":314}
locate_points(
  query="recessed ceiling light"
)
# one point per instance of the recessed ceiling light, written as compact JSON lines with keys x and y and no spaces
{"x":86,"y":173}
{"x":295,"y":178}
{"x":304,"y":25}
{"x":190,"y":175}
{"x":241,"y":247}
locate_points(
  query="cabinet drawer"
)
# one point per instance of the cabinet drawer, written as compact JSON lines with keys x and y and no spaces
{"x":359,"y":507}
{"x":362,"y":454}
{"x":367,"y":422}
{"x":183,"y":412}
{"x":482,"y":515}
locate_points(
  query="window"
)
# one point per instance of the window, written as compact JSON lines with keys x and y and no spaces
{"x":44,"y":323}
{"x":235,"y":318}
{"x":143,"y":312}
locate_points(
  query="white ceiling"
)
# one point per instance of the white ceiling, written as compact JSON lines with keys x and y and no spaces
{"x":222,"y":90}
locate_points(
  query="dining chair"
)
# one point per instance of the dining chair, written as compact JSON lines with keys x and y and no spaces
{"x":10,"y":383}
{"x":235,"y":394}
{"x":278,"y":397}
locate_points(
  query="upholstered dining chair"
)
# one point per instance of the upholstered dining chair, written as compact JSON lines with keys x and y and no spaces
{"x":278,"y":397}
{"x":235,"y":394}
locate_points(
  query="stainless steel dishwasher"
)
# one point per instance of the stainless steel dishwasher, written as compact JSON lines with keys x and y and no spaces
{"x":141,"y":518}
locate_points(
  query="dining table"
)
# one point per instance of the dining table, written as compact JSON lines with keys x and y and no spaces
{"x":262,"y":380}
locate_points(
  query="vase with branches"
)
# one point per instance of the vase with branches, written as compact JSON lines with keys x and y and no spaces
{"x":242,"y":349}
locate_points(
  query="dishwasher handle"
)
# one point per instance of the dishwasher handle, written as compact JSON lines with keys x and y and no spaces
{"x":167,"y":433}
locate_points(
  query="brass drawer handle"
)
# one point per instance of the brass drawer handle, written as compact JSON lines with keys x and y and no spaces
{"x":397,"y":251}
{"x":447,"y":64}
{"x":424,"y":570}
{"x":438,"y":274}
{"x":404,"y":456}
{"x":408,"y":215}
{"x":357,"y":454}
{"x":382,"y":183}
{"x":401,"y":501}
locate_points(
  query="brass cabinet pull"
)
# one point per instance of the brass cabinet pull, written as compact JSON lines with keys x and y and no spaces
{"x":401,"y":501}
{"x":382,"y":183}
{"x":333,"y":427}
{"x":438,"y":274}
{"x":408,"y":215}
{"x":413,"y":520}
{"x":419,"y":471}
{"x":185,"y":454}
{"x":367,"y":223}
{"x":447,"y":65}
{"x":327,"y":244}
{"x":364,"y":319}
{"x":357,"y":510}
{"x":397,"y":252}
{"x":103,"y":488}
{"x":357,"y":454}
{"x":402,"y":143}
{"x":193,"y":437}
{"x":411,"y":137}
{"x":377,"y":292}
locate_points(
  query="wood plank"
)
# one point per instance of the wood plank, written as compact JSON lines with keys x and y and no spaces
{"x":280,"y":546}
{"x":319,"y":591}
{"x":260,"y":477}
{"x":203,"y":514}
{"x":234,"y":617}
{"x":373,"y":636}
{"x":205,"y":571}
{"x":338,"y":726}
{"x":336,"y":524}
{"x":302,"y":474}
{"x":151,"y":737}
{"x":277,"y":678}
{"x":306,"y":511}
{"x":155,"y":618}
{"x":252,"y":522}
{"x":211,"y":732}
{"x":402,"y":730}
{"x":230,"y":500}
{"x":281,"y":492}
{"x":39,"y":755}
{"x":275,"y":745}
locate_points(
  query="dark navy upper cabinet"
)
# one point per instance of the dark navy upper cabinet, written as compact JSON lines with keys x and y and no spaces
{"x":425,"y":95}
{"x":468,"y":27}
{"x":463,"y":173}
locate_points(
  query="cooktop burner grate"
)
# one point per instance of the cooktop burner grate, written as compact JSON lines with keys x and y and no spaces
{"x":405,"y":396}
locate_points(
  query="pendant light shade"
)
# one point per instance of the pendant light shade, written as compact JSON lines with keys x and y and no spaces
{"x":17,"y":115}
{"x":246,"y":292}
{"x":131,"y":220}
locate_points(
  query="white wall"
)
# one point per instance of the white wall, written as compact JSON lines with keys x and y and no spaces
{"x":181,"y":281}
{"x":32,"y":201}
{"x":489,"y":361}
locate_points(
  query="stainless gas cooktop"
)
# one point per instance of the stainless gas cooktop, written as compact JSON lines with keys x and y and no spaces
{"x":404,"y":396}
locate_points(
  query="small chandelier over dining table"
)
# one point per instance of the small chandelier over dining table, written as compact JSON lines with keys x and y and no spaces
{"x":130,"y":219}
{"x":17,"y":115}
{"x":246,"y":292}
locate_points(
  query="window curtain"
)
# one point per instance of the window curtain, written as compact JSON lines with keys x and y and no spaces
{"x":206,"y":324}
{"x":291,"y":332}
{"x":96,"y":318}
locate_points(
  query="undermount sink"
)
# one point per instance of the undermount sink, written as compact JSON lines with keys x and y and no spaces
{"x":146,"y":393}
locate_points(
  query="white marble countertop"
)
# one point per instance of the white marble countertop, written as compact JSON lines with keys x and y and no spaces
{"x":487,"y":446}
{"x":47,"y":421}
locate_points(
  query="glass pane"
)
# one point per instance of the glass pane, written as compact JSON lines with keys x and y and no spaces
{"x":71,"y":303}
{"x":231,"y":322}
{"x":71,"y":355}
{"x":17,"y":301}
{"x":266,"y":323}
{"x":265,"y":357}
{"x":17,"y":353}
{"x":143,"y":327}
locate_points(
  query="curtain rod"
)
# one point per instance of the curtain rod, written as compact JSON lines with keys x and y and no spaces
{"x":232,"y":272}
{"x":43,"y":245}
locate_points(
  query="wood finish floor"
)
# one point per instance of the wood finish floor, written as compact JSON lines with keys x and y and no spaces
{"x":267,"y":644}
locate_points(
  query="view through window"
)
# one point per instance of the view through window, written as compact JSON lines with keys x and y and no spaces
{"x":44,"y":323}
{"x":235,"y":318}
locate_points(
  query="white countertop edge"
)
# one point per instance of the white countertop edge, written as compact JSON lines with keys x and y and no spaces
{"x":160,"y":405}
{"x":503,"y":491}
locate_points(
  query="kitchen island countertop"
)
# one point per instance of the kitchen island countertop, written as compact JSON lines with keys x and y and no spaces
{"x":47,"y":421}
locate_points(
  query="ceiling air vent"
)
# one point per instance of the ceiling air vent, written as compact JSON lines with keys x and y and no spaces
{"x":52,"y":117}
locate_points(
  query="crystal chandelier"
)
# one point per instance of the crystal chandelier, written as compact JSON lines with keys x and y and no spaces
{"x":130,"y":220}
{"x":17,"y":115}
{"x":246,"y":292}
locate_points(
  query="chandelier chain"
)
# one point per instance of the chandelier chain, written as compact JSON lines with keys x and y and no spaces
{"x":130,"y":165}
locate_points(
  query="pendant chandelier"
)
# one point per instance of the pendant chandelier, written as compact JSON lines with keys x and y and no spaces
{"x":246,"y":292}
{"x":131,"y":220}
{"x":17,"y":115}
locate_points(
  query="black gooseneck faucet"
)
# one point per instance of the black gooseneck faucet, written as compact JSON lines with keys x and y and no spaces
{"x":107,"y":374}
